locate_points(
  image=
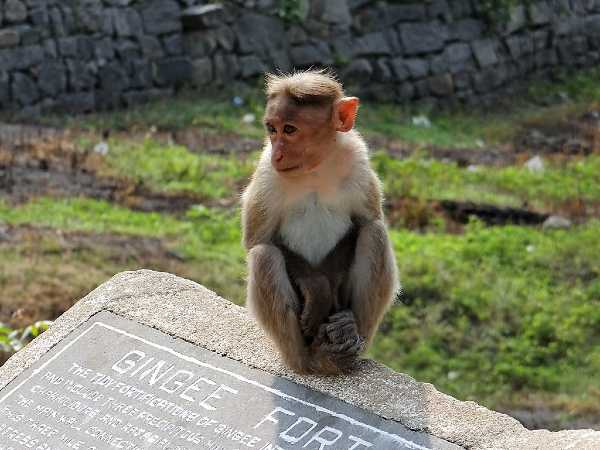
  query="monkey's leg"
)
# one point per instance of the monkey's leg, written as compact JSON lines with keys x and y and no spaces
{"x":318,"y":303}
{"x":276,"y":306}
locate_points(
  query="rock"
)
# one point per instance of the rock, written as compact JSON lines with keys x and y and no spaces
{"x":103,"y":49}
{"x":77,"y":103}
{"x":399,"y":69}
{"x":557,"y":222}
{"x":173,"y":71}
{"x":81,"y":76}
{"x":458,"y":57}
{"x":439,"y":9}
{"x":4,"y":88}
{"x":539,"y":13}
{"x":151,"y":47}
{"x":259,"y":34}
{"x":418,"y":68}
{"x":24,"y":89}
{"x":535,"y":164}
{"x":85,"y":48}
{"x":205,"y":43}
{"x":113,"y":78}
{"x":141,"y":74}
{"x":161,"y":16}
{"x":296,"y":35}
{"x":21,"y":58}
{"x":461,"y":8}
{"x":421,"y":121}
{"x":101,"y":148}
{"x":127,"y":22}
{"x":52,"y":78}
{"x":251,"y":66}
{"x":423,"y":37}
{"x":381,"y":70}
{"x":358,"y":71}
{"x":202,"y":17}
{"x":485,"y":52}
{"x":311,"y":55}
{"x":372,"y":44}
{"x":441,"y":85}
{"x":226,"y":67}
{"x":592,"y":25}
{"x":403,"y":13}
{"x":15,"y":11}
{"x":334,"y":12}
{"x":405,"y":91}
{"x":466,"y":30}
{"x":280,"y":61}
{"x":9,"y":38}
{"x":173,"y":44}
{"x":517,"y":19}
{"x":67,"y":46}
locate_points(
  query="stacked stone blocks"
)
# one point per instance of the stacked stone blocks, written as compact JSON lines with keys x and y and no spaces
{"x":85,"y":55}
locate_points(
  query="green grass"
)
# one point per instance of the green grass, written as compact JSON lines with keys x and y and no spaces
{"x":188,"y":109}
{"x":506,"y":186}
{"x":203,"y":231}
{"x":208,"y":239}
{"x":497,"y":310}
{"x":173,"y":168}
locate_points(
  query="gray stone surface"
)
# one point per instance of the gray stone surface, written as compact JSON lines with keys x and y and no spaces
{"x":423,"y":37}
{"x":9,"y":38}
{"x":181,"y":308}
{"x":129,"y":376}
{"x":15,"y":11}
{"x":445,"y":36}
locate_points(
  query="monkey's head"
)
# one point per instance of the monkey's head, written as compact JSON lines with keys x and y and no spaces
{"x":304,"y":112}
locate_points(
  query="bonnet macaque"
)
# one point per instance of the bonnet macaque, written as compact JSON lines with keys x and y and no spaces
{"x":321,"y":271}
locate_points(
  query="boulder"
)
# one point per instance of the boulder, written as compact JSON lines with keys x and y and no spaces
{"x":420,"y":38}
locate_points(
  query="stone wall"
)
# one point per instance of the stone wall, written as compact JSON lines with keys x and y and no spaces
{"x":83,"y":55}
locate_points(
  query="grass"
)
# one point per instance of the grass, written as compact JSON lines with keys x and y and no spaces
{"x":173,"y":168}
{"x":507,"y":186}
{"x":497,"y":311}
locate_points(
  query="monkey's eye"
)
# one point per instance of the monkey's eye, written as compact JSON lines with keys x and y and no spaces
{"x":270,"y":128}
{"x":289,"y":129}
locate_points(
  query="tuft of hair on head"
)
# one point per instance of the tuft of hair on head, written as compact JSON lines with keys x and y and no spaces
{"x":309,"y":87}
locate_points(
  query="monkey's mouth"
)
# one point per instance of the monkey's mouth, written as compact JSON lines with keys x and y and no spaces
{"x":289,"y":169}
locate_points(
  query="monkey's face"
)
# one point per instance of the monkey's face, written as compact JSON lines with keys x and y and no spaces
{"x":299,"y":135}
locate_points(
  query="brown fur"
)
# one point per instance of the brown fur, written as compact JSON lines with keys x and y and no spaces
{"x":319,"y":315}
{"x":321,"y":288}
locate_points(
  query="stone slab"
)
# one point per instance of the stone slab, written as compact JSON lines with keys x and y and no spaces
{"x":116,"y":383}
{"x":181,"y":310}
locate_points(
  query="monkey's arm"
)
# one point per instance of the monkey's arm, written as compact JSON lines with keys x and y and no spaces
{"x":373,"y":278}
{"x":276,"y":306}
{"x":257,"y":224}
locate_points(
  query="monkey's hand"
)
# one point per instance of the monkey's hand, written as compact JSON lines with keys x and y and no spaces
{"x":339,"y":337}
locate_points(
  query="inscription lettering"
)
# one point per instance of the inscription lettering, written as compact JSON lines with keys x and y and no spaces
{"x":124,"y":386}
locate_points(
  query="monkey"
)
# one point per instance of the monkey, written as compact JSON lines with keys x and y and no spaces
{"x":314,"y":188}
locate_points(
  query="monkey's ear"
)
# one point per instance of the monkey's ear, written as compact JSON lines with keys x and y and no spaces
{"x":345,"y":113}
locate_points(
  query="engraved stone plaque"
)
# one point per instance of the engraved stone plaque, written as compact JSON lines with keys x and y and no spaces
{"x":116,"y":384}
